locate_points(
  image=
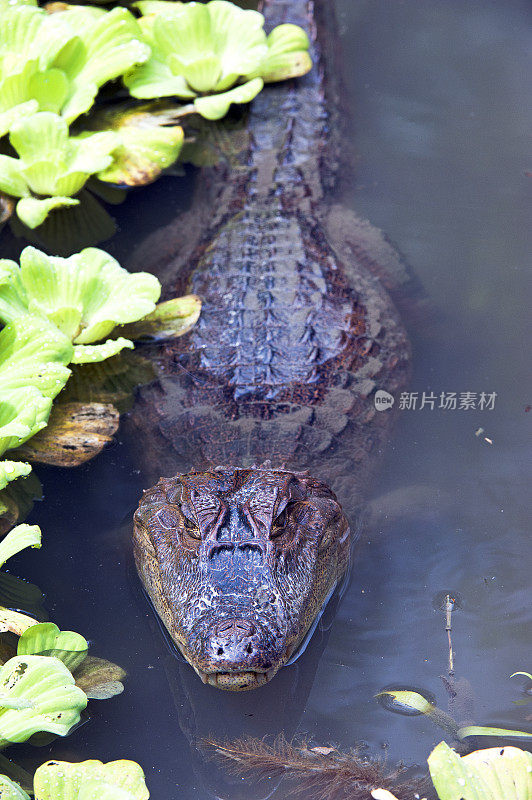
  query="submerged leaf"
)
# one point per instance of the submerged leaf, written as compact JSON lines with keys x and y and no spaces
{"x":76,"y":432}
{"x":61,"y":780}
{"x":170,"y":319}
{"x":493,"y":774}
{"x":100,"y":679}
{"x":481,"y":730}
{"x":32,"y":212}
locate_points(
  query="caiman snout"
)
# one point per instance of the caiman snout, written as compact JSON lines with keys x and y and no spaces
{"x":234,"y":655}
{"x":232,"y":643}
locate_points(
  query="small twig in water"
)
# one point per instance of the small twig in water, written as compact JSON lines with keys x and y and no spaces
{"x":449,"y":605}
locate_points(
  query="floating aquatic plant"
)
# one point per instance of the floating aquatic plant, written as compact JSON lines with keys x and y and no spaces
{"x":86,"y":296}
{"x":413,"y":702}
{"x":58,"y":62}
{"x":45,"y":638}
{"x":33,"y":358}
{"x":117,"y":780}
{"x":37,"y":693}
{"x":10,"y":471}
{"x":10,"y":790}
{"x":213,"y":54}
{"x":492,"y":774}
{"x":51,"y":162}
{"x":149,"y":140}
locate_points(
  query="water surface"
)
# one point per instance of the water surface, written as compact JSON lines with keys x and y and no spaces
{"x":439,"y":97}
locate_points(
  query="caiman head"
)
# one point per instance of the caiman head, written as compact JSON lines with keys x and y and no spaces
{"x":238,"y":564}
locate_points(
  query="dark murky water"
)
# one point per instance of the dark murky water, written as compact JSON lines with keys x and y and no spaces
{"x":439,"y":96}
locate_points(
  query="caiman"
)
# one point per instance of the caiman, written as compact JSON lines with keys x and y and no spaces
{"x":266,"y":410}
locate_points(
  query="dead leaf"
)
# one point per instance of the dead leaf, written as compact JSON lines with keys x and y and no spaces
{"x":100,"y":679}
{"x":76,"y":432}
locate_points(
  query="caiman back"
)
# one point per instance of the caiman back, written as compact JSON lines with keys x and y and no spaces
{"x":297,"y":331}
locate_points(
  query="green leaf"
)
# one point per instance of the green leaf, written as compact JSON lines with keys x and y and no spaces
{"x":158,"y":6}
{"x":85,"y":296}
{"x":10,"y":790}
{"x":33,"y":212}
{"x":149,"y":139}
{"x":49,"y":686}
{"x":525,"y":674}
{"x":112,"y":44}
{"x":46,"y":639}
{"x":12,"y":115}
{"x":14,"y":622}
{"x":287,"y":56}
{"x":18,"y":539}
{"x":92,"y":353}
{"x":216,"y":106}
{"x":411,"y":700}
{"x":53,"y":163}
{"x":493,"y":774}
{"x":33,"y":358}
{"x":480,"y":730}
{"x":60,"y":780}
{"x":170,"y":319}
{"x":11,"y":180}
{"x":208,"y":47}
{"x":10,"y":471}
{"x":7,"y":4}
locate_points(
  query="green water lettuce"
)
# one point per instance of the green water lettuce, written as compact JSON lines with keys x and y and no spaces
{"x":18,"y":539}
{"x":58,"y":62}
{"x":37,"y":693}
{"x":33,"y":358}
{"x":45,"y":638}
{"x":61,"y":780}
{"x":170,"y":319}
{"x":10,"y":471}
{"x":10,"y":790}
{"x":288,"y":54}
{"x":200,"y":49}
{"x":50,"y":163}
{"x":493,"y":774}
{"x":213,"y":54}
{"x":149,"y":141}
{"x":86,"y":296}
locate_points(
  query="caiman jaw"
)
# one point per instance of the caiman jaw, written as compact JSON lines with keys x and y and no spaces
{"x":236,"y":681}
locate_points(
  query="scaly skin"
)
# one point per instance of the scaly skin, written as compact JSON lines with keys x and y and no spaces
{"x":295,"y":335}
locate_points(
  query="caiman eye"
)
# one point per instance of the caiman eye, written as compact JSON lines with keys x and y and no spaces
{"x":191,"y":528}
{"x":281,"y":520}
